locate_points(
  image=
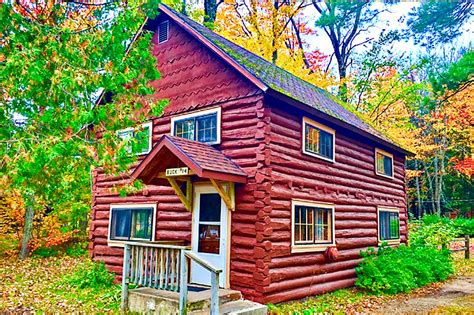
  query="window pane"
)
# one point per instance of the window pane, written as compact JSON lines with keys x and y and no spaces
{"x":387,"y":164}
{"x":209,"y":238}
{"x":210,"y":208}
{"x":120,"y":228}
{"x":207,"y":128}
{"x":312,"y":225}
{"x":142,"y":223}
{"x":185,"y":129}
{"x":318,"y":141}
{"x":126,"y":136}
{"x":142,"y":140}
{"x":389,"y":225}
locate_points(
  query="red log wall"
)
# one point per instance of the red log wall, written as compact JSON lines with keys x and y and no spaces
{"x":192,"y":79}
{"x":350,"y":184}
{"x":264,"y":138}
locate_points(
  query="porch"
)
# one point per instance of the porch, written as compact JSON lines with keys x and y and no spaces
{"x":158,"y":274}
{"x":175,"y":278}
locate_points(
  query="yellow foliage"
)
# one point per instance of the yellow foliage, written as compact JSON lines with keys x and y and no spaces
{"x":267,"y":32}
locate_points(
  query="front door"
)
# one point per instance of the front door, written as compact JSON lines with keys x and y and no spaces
{"x":209,"y":236}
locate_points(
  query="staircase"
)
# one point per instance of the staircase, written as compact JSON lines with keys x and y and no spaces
{"x":159,"y":273}
{"x":161,"y":302}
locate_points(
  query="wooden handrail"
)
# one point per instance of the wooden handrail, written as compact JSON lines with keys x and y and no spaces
{"x":202,"y":262}
{"x":164,"y":267}
{"x":157,"y":245}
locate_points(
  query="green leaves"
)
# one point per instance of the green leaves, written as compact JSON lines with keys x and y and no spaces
{"x":54,"y":63}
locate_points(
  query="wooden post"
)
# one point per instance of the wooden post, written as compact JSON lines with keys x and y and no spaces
{"x":125,"y":271}
{"x":214,"y":293}
{"x":183,"y":284}
{"x":467,"y":253}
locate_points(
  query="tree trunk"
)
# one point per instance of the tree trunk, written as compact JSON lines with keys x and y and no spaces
{"x":342,"y":77}
{"x":436,"y":187}
{"x":210,"y":10}
{"x":28,"y":226}
{"x":183,"y":8}
{"x":418,"y":192}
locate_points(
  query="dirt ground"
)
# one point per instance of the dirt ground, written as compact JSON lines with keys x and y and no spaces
{"x":453,"y":297}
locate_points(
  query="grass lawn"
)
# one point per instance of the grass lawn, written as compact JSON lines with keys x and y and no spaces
{"x":354,"y":300}
{"x":40,"y":285}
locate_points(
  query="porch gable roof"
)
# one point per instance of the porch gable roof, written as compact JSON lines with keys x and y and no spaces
{"x":204,"y":160}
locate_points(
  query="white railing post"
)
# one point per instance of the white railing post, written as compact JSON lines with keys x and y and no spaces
{"x":125,"y":272}
{"x":183,"y":284}
{"x":215,"y":293}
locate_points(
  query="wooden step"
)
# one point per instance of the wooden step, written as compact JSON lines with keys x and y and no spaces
{"x":240,"y":307}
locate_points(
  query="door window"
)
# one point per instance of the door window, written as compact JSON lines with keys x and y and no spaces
{"x":209,"y":223}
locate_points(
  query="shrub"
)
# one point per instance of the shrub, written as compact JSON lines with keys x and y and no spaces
{"x":91,"y":275}
{"x":394,"y":270}
{"x":465,"y":226}
{"x":435,"y":234}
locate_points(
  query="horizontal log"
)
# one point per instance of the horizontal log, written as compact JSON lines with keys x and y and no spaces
{"x":303,"y":292}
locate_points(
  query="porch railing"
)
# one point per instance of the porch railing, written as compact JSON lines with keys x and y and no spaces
{"x":164,"y":267}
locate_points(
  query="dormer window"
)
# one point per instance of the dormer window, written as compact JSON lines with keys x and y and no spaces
{"x":383,"y":163}
{"x":203,"y":126}
{"x":318,"y":140}
{"x":163,"y":32}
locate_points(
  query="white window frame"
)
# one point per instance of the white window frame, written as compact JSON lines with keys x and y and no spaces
{"x":120,"y":243}
{"x":388,"y":209}
{"x":150,"y":135}
{"x":313,"y":123}
{"x":300,"y":248}
{"x":216,"y":110}
{"x":167,"y":23}
{"x":387,"y":154}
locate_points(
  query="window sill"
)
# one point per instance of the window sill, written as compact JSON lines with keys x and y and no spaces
{"x":319,"y":156}
{"x":117,"y":243}
{"x":383,"y":175}
{"x":310,"y":248}
{"x":390,"y":242}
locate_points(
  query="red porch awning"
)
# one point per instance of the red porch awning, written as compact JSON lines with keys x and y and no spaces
{"x":202,"y":159}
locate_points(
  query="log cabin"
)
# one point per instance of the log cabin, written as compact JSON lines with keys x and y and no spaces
{"x":263,"y":175}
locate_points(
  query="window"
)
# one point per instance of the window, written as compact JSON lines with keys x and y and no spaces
{"x":389,"y":225}
{"x":131,"y":222}
{"x":163,"y":32}
{"x":313,"y":226}
{"x":141,"y":143}
{"x":383,"y":163}
{"x":318,"y":140}
{"x":201,"y":126}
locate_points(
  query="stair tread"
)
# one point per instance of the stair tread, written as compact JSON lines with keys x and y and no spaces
{"x":236,"y":307}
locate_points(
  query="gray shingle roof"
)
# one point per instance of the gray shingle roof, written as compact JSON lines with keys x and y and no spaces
{"x":284,"y":82}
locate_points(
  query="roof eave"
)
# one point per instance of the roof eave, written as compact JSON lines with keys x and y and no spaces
{"x":285,"y":98}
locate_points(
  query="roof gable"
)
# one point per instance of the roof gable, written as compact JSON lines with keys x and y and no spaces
{"x":269,"y":77}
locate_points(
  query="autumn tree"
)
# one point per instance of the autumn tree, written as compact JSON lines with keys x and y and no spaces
{"x":438,"y":22}
{"x":56,"y":58}
{"x":276,"y":31}
{"x":345,"y":23}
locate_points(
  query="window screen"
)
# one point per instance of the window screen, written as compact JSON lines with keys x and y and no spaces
{"x":131,"y":224}
{"x":137,"y":141}
{"x":198,"y":128}
{"x":318,"y":141}
{"x":389,"y":225}
{"x":384,"y":164}
{"x":312,"y":225}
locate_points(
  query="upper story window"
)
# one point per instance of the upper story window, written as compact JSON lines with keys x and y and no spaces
{"x":137,"y":140}
{"x":318,"y":140}
{"x":389,"y":225}
{"x":312,"y":226}
{"x":163,"y":32}
{"x":201,"y":126}
{"x":131,"y":222}
{"x":383,"y":163}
